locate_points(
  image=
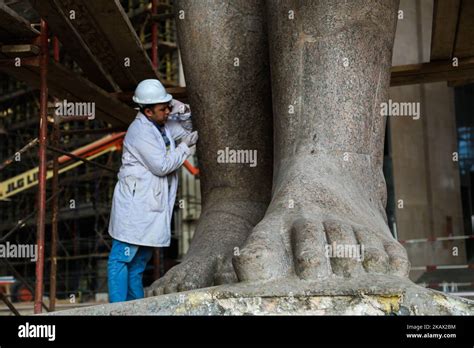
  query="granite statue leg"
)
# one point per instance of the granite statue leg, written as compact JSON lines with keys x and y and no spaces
{"x":224,"y":47}
{"x":330,"y":69}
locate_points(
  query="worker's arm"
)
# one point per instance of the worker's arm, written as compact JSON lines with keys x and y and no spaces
{"x":156,"y":159}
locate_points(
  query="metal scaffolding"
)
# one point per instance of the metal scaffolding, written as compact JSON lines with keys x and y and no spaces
{"x":78,"y":253}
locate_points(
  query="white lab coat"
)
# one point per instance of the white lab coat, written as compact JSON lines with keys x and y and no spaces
{"x":143,"y":204}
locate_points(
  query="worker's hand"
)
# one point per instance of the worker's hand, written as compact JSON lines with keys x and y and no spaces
{"x":178,"y":107}
{"x":191,"y":138}
{"x":192,"y":151}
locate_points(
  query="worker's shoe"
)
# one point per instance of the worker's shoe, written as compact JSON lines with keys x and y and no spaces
{"x":222,"y":229}
{"x":326,"y":218}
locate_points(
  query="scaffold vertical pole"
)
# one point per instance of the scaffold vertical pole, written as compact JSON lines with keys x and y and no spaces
{"x":55,"y":202}
{"x":42,"y":137}
{"x":154,"y":35}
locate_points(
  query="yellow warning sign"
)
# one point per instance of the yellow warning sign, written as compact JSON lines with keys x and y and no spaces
{"x":29,"y":178}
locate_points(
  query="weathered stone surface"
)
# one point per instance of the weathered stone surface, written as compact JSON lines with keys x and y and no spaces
{"x":224,"y":48}
{"x":330,"y":72}
{"x":371,"y":295}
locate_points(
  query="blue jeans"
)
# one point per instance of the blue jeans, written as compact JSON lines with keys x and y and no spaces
{"x":126,"y":265}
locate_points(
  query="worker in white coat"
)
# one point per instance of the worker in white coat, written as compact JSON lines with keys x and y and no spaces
{"x":145,"y":193}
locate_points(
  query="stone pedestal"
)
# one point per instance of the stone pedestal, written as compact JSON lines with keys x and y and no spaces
{"x":390,"y":296}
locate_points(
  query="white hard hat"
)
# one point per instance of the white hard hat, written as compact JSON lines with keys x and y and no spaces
{"x":151,"y":92}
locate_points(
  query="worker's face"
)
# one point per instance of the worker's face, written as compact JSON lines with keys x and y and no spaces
{"x":158,"y":113}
